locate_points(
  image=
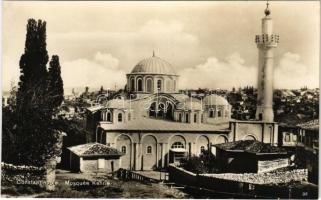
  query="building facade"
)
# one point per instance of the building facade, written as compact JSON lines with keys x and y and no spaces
{"x":152,"y":124}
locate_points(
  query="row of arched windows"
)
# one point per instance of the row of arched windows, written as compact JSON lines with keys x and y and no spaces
{"x":149,"y":149}
{"x":149,"y":85}
{"x":187,"y":118}
{"x":212,"y":113}
{"x":107,"y":116}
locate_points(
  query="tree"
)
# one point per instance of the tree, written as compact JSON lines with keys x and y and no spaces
{"x":32,"y":86}
{"x":55,"y":88}
{"x":34,"y":134}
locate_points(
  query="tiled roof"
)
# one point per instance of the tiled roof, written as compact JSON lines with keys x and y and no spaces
{"x":310,"y":125}
{"x":94,"y":149}
{"x":148,"y":124}
{"x":250,"y":146}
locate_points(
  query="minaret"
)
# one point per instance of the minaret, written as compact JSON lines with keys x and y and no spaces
{"x":265,"y":43}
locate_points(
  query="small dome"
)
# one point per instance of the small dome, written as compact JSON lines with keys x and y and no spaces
{"x":189,"y":104}
{"x":154,"y":65}
{"x":215,"y":100}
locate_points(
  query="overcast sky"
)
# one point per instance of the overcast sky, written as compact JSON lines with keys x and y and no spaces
{"x":210,"y":44}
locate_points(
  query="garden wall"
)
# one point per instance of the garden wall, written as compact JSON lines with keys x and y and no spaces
{"x":248,"y":184}
{"x":22,"y":175}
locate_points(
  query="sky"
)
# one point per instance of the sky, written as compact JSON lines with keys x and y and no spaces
{"x":210,"y":44}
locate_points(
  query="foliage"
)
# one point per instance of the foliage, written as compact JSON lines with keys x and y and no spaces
{"x":205,"y":163}
{"x":55,"y":85}
{"x":29,"y":129}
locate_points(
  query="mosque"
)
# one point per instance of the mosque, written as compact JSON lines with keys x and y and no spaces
{"x":153,"y":125}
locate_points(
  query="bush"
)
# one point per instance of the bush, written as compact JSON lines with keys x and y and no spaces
{"x":205,"y":163}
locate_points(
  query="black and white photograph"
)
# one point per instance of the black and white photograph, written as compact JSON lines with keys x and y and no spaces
{"x":160,"y":99}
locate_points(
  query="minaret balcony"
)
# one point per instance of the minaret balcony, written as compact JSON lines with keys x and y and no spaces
{"x":267,"y":40}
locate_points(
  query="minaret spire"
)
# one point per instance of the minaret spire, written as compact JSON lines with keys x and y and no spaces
{"x":267,"y":10}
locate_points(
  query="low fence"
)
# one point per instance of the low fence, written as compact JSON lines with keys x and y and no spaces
{"x":227,"y":183}
{"x":124,"y":174}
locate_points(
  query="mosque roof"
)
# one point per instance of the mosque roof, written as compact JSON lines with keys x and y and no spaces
{"x":94,"y":149}
{"x":148,"y":124}
{"x":214,"y":99}
{"x":154,"y":65}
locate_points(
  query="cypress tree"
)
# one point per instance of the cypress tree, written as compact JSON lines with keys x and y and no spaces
{"x":55,"y":84}
{"x":35,"y":134}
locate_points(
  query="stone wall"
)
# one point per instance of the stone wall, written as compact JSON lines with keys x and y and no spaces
{"x":269,"y":165}
{"x":24,"y":175}
{"x":264,"y":178}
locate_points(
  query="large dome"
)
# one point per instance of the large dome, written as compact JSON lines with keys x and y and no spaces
{"x":153,"y":65}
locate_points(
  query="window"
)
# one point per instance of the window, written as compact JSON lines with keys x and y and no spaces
{"x":186,"y":117}
{"x":287,"y":137}
{"x":202,"y":149}
{"x":149,"y":85}
{"x":120,"y":117}
{"x":195,"y":118}
{"x":212,"y":113}
{"x":202,"y":118}
{"x":129,"y":116}
{"x":140,"y":85}
{"x":180,"y":117}
{"x":132,"y":84}
{"x":177,"y":145}
{"x":123,"y":149}
{"x":295,"y":138}
{"x":174,"y":85}
{"x":159,"y":85}
{"x":219,"y":113}
{"x":109,"y":117}
{"x":149,"y":150}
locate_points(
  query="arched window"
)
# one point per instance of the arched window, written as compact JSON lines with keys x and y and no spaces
{"x":195,"y":118}
{"x":108,"y":116}
{"x":123,"y":149}
{"x":149,"y":150}
{"x":129,"y":116}
{"x":132,"y":84}
{"x":149,"y":85}
{"x":219,"y":113}
{"x":180,"y":117}
{"x":159,"y":85}
{"x":120,"y":117}
{"x":212,"y":113}
{"x":187,"y":118}
{"x":202,"y":149}
{"x":177,"y":145}
{"x":140,"y":85}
